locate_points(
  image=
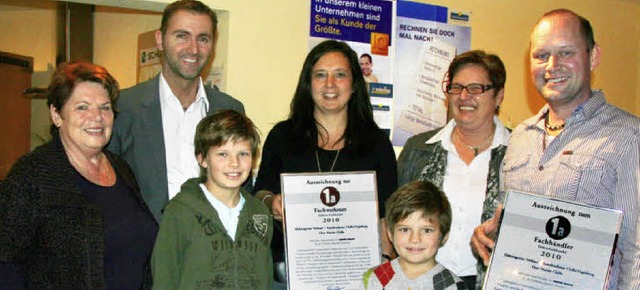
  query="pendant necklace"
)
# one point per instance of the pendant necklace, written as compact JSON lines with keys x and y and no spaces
{"x":332,"y":165}
{"x":476,"y":149}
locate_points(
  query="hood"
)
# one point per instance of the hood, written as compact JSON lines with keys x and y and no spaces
{"x":192,"y":196}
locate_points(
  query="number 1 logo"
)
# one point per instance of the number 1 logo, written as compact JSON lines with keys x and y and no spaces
{"x":329,"y":196}
{"x":558,"y":227}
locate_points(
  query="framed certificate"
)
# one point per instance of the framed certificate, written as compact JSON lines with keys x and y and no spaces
{"x":547,"y":243}
{"x":331,"y":228}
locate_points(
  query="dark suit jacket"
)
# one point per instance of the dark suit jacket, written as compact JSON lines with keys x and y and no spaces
{"x":138,"y":137}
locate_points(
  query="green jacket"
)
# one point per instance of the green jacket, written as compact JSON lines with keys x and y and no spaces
{"x":193,"y":250}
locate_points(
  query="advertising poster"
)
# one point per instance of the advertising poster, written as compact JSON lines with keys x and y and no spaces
{"x":425,"y":44}
{"x":331,"y":225}
{"x":366,"y":26}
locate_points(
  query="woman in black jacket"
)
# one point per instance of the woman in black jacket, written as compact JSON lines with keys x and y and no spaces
{"x":71,"y":216}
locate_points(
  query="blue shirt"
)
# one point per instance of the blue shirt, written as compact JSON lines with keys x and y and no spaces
{"x":594,"y":160}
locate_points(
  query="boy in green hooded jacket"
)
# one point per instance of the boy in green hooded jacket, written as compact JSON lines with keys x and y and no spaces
{"x":213,"y":234}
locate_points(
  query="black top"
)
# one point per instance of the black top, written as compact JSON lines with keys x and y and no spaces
{"x":277,"y":158}
{"x":129,"y":233}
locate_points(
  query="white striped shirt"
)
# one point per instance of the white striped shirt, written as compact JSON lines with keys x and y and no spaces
{"x":594,"y":160}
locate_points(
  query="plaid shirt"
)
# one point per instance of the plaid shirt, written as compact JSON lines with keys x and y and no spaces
{"x":389,"y":276}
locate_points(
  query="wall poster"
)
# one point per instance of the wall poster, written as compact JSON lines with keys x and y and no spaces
{"x":366,"y":26}
{"x":405,"y":48}
{"x":425,"y":45}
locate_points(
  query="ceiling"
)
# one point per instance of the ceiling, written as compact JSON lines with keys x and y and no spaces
{"x":17,"y":5}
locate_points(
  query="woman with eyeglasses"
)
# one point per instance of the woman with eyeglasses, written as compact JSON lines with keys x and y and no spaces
{"x":463,"y":158}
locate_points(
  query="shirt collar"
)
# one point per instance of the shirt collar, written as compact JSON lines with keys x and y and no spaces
{"x":167,"y":95}
{"x":584,"y":111}
{"x":500,"y":136}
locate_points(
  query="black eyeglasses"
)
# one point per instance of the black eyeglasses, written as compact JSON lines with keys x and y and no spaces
{"x":473,"y":89}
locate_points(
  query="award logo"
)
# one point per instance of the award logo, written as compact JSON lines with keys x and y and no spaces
{"x":558,"y":227}
{"x":330,"y":196}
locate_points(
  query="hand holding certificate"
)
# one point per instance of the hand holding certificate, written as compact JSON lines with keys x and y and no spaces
{"x":546,"y":243}
{"x":331,"y":226}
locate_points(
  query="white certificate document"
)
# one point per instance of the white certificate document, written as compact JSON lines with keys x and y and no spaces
{"x":547,"y":243}
{"x":331,"y":228}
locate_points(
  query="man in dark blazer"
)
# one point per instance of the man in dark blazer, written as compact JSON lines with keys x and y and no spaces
{"x":187,"y":38}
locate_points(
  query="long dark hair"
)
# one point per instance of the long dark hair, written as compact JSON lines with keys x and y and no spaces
{"x":360,"y":121}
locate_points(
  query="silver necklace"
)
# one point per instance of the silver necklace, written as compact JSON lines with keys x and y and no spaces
{"x":332,"y":165}
{"x":476,"y":150}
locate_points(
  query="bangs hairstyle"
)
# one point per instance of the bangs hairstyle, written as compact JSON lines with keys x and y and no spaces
{"x":419,"y":196}
{"x":68,"y":75}
{"x":191,"y":6}
{"x":222,"y":127}
{"x":491,"y":63}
